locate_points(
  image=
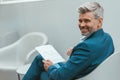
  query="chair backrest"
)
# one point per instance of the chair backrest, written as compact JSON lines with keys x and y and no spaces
{"x":15,"y":54}
{"x":8,"y":38}
{"x":28,"y":43}
{"x":107,"y":70}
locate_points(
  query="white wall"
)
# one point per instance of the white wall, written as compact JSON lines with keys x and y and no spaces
{"x":58,"y":19}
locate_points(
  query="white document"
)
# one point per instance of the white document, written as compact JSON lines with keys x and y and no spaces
{"x":48,"y":52}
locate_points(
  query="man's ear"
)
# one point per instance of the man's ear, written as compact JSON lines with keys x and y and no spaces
{"x":100,"y":22}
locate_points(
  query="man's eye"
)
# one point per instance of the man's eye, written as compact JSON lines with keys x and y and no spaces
{"x":87,"y":20}
{"x":80,"y":21}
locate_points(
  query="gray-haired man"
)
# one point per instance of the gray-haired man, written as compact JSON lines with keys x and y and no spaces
{"x":85,"y":56}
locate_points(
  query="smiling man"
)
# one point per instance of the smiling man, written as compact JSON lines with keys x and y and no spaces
{"x":89,"y":20}
{"x":85,"y":56}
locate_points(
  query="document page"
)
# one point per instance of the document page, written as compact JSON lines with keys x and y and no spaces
{"x":48,"y":52}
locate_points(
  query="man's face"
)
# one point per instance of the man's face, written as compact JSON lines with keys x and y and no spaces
{"x":88,"y":24}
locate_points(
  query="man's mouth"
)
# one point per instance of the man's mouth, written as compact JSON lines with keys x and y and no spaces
{"x":84,"y":30}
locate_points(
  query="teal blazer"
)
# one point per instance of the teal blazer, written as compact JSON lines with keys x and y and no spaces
{"x":85,"y":57}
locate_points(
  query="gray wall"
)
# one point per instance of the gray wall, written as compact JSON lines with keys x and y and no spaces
{"x":57,"y":19}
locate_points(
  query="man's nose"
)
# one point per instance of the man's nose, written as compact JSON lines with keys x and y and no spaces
{"x":82,"y":24}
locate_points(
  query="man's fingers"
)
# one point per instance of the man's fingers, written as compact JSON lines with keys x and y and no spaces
{"x":47,"y":62}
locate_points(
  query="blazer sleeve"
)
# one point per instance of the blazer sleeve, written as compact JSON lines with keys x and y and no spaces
{"x":77,"y":62}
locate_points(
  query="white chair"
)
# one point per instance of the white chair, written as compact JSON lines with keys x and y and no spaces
{"x":14,"y":55}
{"x":107,"y":70}
{"x":8,"y":38}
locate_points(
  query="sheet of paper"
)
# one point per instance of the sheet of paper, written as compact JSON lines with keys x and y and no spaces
{"x":48,"y":52}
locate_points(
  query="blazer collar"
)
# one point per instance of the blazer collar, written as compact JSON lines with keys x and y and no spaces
{"x":96,"y":33}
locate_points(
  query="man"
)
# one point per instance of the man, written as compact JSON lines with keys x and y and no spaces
{"x":85,"y":56}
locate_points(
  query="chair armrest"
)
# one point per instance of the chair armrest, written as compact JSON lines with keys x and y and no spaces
{"x":29,"y":57}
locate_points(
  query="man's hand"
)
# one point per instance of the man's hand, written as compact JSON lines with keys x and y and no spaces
{"x":47,"y":63}
{"x":69,"y":51}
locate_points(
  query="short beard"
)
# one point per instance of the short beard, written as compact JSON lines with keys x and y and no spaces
{"x":89,"y":33}
{"x":86,"y":34}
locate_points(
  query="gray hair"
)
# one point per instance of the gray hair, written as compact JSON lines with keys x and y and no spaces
{"x":94,"y":7}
